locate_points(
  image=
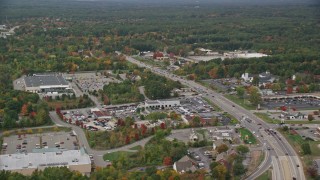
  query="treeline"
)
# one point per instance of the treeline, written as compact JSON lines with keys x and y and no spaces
{"x":124,"y":92}
{"x":158,"y":87}
{"x":277,"y":65}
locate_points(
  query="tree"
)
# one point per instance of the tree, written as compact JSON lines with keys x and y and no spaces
{"x":255,"y":81}
{"x":24,"y":110}
{"x":105,"y":100}
{"x":196,"y":121}
{"x":312,"y":171}
{"x":240,"y":91}
{"x":41,"y":117}
{"x":310,"y":117}
{"x":219,"y":172}
{"x":254,"y":96}
{"x":163,"y":125}
{"x":238,"y":169}
{"x":285,"y":128}
{"x":222,"y":148}
{"x":242,"y":149}
{"x":213,"y":165}
{"x":136,"y":137}
{"x":289,"y":89}
{"x":167,"y":161}
{"x":213,"y":73}
{"x":128,"y":139}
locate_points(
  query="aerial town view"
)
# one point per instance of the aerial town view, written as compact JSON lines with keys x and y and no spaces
{"x":157,"y":90}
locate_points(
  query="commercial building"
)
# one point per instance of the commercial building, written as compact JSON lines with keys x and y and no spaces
{"x":46,"y":83}
{"x":27,"y":163}
{"x":161,"y":104}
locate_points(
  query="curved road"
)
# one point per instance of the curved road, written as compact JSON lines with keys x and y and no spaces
{"x":284,"y":159}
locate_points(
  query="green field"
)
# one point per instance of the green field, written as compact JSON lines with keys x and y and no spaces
{"x":115,"y":155}
{"x":246,"y":133}
{"x":265,"y":176}
{"x":266,"y":118}
{"x":243,"y":103}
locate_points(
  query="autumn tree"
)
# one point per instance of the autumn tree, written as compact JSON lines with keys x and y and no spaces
{"x":105,"y":100}
{"x":128,"y":139}
{"x":24,"y":110}
{"x":213,"y":73}
{"x":222,"y":148}
{"x":219,"y":172}
{"x":167,"y":161}
{"x":310,"y":117}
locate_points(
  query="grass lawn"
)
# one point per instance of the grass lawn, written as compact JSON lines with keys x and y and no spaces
{"x":136,"y":148}
{"x":115,"y":155}
{"x":265,"y":176}
{"x":244,"y":103}
{"x":266,"y":118}
{"x":246,"y":133}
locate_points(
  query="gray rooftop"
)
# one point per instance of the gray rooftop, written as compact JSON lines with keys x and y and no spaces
{"x":44,"y":80}
{"x":43,"y":160}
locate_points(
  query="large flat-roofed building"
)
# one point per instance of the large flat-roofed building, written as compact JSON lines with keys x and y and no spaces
{"x":163,"y":104}
{"x":27,"y":163}
{"x":46,"y":83}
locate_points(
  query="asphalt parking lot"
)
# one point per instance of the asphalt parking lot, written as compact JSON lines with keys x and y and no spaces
{"x":305,"y":103}
{"x":30,"y":142}
{"x":308,"y":133}
{"x":92,"y":81}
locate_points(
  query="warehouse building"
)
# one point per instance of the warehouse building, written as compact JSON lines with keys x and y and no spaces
{"x":47,"y":84}
{"x":27,"y":163}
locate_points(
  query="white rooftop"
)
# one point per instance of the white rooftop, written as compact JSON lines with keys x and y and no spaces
{"x":43,"y":160}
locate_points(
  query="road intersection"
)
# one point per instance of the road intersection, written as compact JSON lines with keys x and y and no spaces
{"x":285,"y":161}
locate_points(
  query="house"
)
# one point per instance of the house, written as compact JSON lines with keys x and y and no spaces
{"x":299,"y":115}
{"x":3,"y":27}
{"x":264,"y":78}
{"x":185,"y":164}
{"x":247,"y":77}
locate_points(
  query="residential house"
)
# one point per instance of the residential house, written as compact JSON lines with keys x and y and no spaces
{"x":264,"y":78}
{"x":185,"y":164}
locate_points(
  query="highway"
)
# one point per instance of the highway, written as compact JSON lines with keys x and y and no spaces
{"x":286,"y":163}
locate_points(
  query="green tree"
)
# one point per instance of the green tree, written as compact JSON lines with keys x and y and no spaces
{"x":240,"y":91}
{"x":242,"y":149}
{"x":254,"y":96}
{"x":238,"y":169}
